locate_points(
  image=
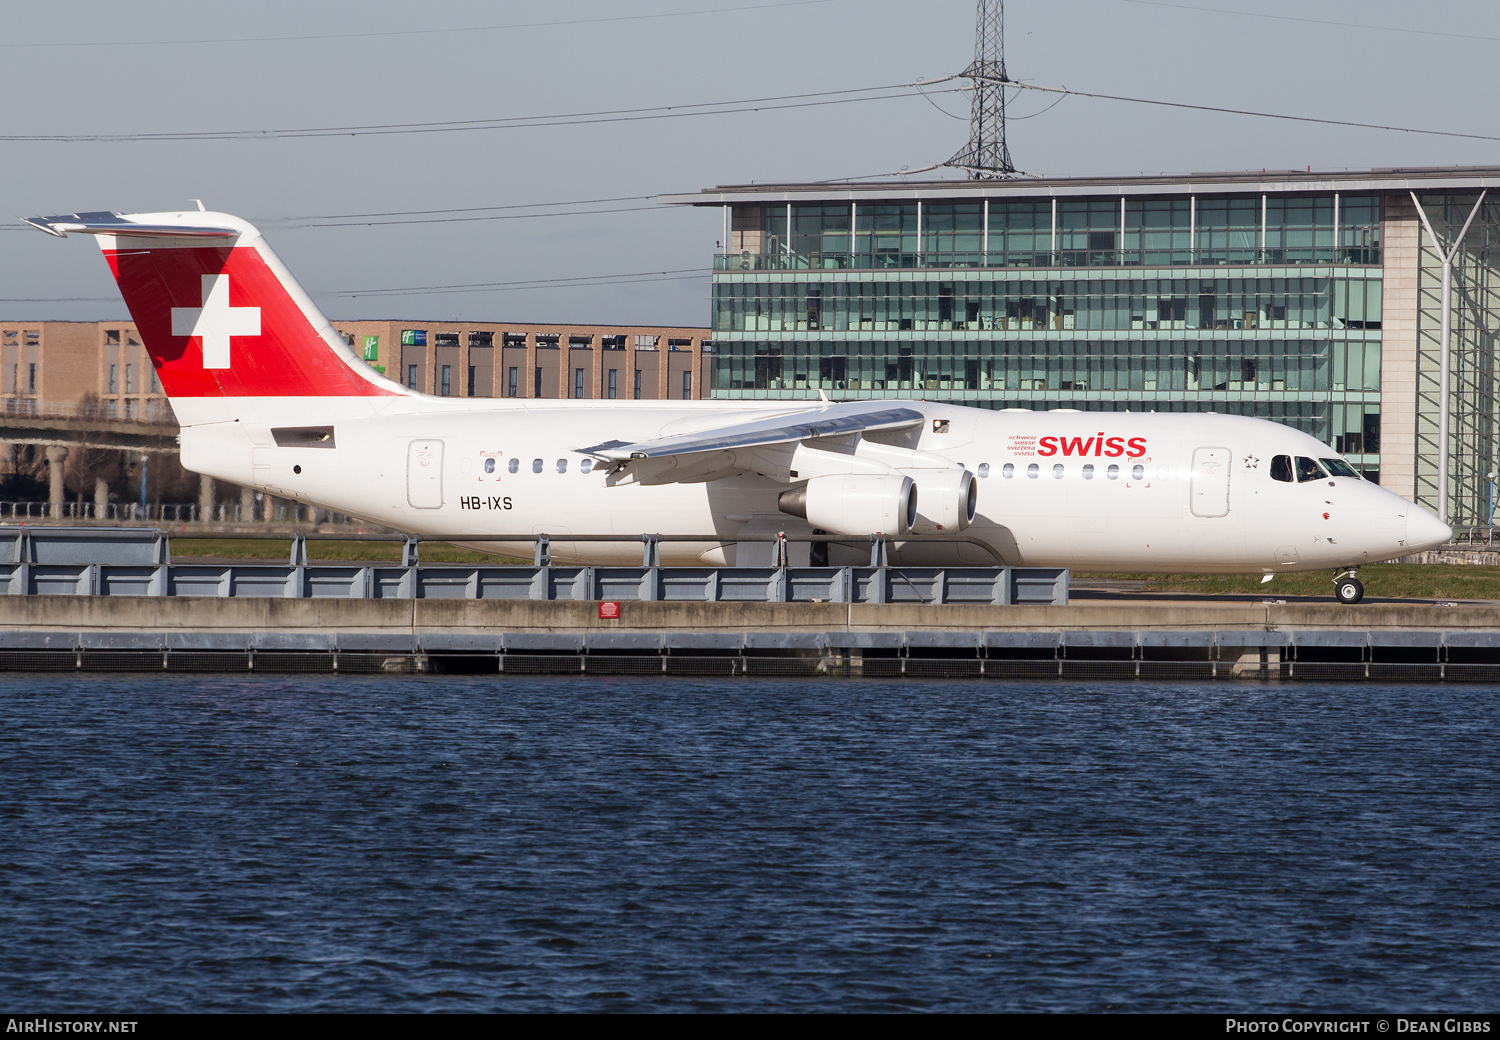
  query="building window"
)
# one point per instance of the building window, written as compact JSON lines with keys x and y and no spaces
{"x":577,"y":384}
{"x":637,"y":384}
{"x":445,"y":339}
{"x":580,"y":342}
{"x":411,"y":377}
{"x":510,"y":385}
{"x":33,"y":337}
{"x":130,"y":379}
{"x":129,"y":408}
{"x":471,"y":380}
{"x":538,"y":391}
{"x":31,"y":378}
{"x":113,"y":384}
{"x":547,"y":341}
{"x":612,"y":342}
{"x":646,"y":342}
{"x":155,"y":383}
{"x":687,"y":386}
{"x":613,"y":380}
{"x":680,"y":344}
{"x":514,"y":339}
{"x":111,"y":337}
{"x":481,"y":339}
{"x":447,"y":388}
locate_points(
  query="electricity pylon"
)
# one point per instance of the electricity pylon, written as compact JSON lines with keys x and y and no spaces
{"x":986,"y":156}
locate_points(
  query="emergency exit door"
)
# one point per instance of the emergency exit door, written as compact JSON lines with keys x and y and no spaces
{"x":1210,"y":482}
{"x":424,"y":474}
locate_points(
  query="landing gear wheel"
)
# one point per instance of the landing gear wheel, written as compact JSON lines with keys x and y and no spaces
{"x":1349,"y":590}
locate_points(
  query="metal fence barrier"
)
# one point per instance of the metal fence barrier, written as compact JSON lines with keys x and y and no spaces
{"x":94,"y":561}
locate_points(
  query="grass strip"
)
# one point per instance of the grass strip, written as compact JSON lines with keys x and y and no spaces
{"x":1395,"y":580}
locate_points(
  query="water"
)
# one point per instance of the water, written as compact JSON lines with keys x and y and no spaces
{"x":245,"y":844}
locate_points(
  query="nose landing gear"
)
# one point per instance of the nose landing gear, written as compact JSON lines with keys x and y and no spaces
{"x":1347,"y":588}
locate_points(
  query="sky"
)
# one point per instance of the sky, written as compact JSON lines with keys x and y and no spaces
{"x":81,"y":69}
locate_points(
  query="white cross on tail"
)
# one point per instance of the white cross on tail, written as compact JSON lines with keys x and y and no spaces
{"x":215,"y":322}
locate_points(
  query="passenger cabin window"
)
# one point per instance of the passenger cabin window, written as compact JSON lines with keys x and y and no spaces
{"x":586,"y":466}
{"x":489,"y":465}
{"x":1113,"y":472}
{"x":1308,"y":469}
{"x":514,"y":466}
{"x":536,"y":465}
{"x":562,"y":465}
{"x":1088,"y":472}
{"x":1032,"y":470}
{"x":984,"y":469}
{"x":1138,"y":473}
{"x":1281,"y":468}
{"x":1008,"y":470}
{"x":1057,"y":471}
{"x":1339,"y":468}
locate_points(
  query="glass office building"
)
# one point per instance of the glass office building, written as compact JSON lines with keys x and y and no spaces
{"x":1266,"y":294}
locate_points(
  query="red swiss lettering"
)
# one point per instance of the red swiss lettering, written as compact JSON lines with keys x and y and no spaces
{"x":1116,"y":447}
{"x":1137,"y":447}
{"x":1047,"y":446}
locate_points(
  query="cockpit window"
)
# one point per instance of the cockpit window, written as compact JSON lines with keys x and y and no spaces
{"x":1308,"y":469}
{"x":1339,"y":468}
{"x":1281,"y":468}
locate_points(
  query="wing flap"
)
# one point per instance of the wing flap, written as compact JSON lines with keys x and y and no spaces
{"x":830,"y":421}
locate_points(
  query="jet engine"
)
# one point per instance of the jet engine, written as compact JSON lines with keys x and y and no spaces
{"x":864,"y":504}
{"x":949,"y":498}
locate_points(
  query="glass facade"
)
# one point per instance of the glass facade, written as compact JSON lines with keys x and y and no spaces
{"x":1261,"y":305}
{"x":1474,"y":381}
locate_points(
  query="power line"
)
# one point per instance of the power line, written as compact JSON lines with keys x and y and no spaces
{"x":469,"y":209}
{"x":466,"y":220}
{"x":416,"y":32}
{"x":580,"y":281}
{"x":1259,"y":115}
{"x":1315,"y":21}
{"x":621,"y":115}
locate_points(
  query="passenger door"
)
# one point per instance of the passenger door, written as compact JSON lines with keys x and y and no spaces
{"x":1210,"y":491}
{"x":424,"y":474}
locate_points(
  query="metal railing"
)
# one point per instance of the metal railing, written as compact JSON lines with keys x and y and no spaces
{"x":170,"y":512}
{"x":159,"y":408}
{"x":138,"y":562}
{"x":784,"y":261}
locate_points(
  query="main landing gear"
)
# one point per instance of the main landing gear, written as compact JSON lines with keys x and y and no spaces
{"x":1347,"y":588}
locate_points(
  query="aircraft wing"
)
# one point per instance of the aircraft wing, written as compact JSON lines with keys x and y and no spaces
{"x":826,"y":421}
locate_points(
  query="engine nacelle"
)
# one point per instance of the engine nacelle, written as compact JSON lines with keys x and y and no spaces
{"x":864,"y":504}
{"x":949,"y":499}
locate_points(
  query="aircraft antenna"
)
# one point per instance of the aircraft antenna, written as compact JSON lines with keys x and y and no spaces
{"x":987,"y":157}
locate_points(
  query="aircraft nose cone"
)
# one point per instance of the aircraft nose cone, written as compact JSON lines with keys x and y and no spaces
{"x":1425,"y":531}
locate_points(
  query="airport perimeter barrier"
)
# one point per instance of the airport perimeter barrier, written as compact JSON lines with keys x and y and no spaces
{"x":137,"y":562}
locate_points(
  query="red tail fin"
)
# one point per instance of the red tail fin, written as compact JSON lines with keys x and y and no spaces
{"x":218,"y":312}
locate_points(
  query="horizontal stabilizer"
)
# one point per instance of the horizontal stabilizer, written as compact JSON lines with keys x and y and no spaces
{"x":828,"y":421}
{"x":63,"y":224}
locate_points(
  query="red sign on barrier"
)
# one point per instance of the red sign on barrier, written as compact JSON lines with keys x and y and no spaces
{"x":609,"y":610}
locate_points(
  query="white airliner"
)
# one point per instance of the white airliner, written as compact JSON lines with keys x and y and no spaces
{"x":269,"y":396}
